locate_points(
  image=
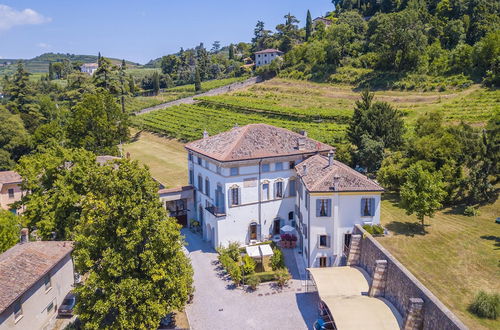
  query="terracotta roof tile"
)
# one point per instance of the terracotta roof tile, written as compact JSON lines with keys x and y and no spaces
{"x":174,"y":190}
{"x":9,"y":177}
{"x":24,"y":264}
{"x":270,"y":50}
{"x":255,"y":141}
{"x":319,"y":176}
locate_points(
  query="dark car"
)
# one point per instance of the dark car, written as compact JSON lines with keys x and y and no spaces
{"x":67,"y":306}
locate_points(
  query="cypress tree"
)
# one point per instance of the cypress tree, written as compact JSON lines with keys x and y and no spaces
{"x":51,"y":71}
{"x":231,"y":52}
{"x":156,"y":83}
{"x":197,"y":80}
{"x":308,"y":25}
{"x":99,"y":59}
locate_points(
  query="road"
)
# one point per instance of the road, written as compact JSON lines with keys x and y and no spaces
{"x":212,"y":92}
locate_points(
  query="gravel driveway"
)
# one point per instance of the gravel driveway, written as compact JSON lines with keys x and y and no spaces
{"x":217,"y":305}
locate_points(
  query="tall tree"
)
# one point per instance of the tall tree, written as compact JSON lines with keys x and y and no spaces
{"x":309,"y":25}
{"x":231,"y":52}
{"x":422,"y":193}
{"x":98,"y":124}
{"x":132,"y":253}
{"x":9,"y":230}
{"x":156,"y":83}
{"x":51,"y":72}
{"x":215,"y":47}
{"x":197,"y":80}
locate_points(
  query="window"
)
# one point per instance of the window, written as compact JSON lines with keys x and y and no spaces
{"x":307,"y":201}
{"x":234,"y":171}
{"x":48,"y":284}
{"x":11,"y":193}
{"x":206,"y":164}
{"x":200,"y":183}
{"x":322,"y":261}
{"x":18,"y":311}
{"x":292,"y":187}
{"x":219,"y":199}
{"x":323,"y":241}
{"x":253,"y":231}
{"x":199,"y":161}
{"x":290,"y":215}
{"x":207,"y":187}
{"x":266,"y":168}
{"x":323,"y":207}
{"x":291,"y":164}
{"x":191,"y":177}
{"x":367,"y":207}
{"x":235,"y":196}
{"x":347,"y":243}
{"x":265,"y":191}
{"x":279,"y":189}
{"x":50,"y":307}
{"x":305,"y":231}
{"x":190,"y":157}
{"x":218,"y":169}
{"x":278,"y":167}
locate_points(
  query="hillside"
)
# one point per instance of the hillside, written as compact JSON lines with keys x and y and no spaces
{"x":322,"y":109}
{"x":40,"y":64}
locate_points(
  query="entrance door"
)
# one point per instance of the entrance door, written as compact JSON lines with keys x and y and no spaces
{"x":276,"y":226}
{"x":347,"y":243}
{"x":322,"y":261}
{"x":182,"y":220}
{"x":253,"y":231}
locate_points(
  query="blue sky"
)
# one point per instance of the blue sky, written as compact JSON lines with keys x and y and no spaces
{"x":136,"y":30}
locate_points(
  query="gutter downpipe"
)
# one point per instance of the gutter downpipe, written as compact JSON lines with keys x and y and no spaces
{"x":309,"y":231}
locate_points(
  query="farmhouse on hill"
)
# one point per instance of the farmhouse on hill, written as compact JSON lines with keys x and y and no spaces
{"x":10,"y":190}
{"x":89,"y":68}
{"x":266,"y":56}
{"x":252,"y":181}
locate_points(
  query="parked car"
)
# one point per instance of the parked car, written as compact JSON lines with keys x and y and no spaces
{"x":67,"y":306}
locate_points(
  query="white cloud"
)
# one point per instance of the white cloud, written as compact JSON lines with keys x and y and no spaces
{"x":10,"y":17}
{"x":43,"y":45}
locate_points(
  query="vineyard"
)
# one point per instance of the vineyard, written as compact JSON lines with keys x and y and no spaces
{"x":323,"y":110}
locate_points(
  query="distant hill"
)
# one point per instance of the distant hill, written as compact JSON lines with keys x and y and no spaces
{"x":40,"y":64}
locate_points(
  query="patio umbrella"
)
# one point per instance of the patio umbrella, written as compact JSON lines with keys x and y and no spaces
{"x":287,"y":229}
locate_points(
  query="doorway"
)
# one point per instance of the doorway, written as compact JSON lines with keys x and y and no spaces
{"x":276,"y":226}
{"x":347,"y":243}
{"x":253,"y":231}
{"x":322,"y":261}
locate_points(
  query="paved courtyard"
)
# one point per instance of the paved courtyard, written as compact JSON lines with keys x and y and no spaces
{"x":218,"y":305}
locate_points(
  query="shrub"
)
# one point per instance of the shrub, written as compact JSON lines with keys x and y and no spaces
{"x":233,"y":250}
{"x":471,"y":211}
{"x":486,"y":305}
{"x":277,"y":259}
{"x":282,"y":277}
{"x":253,"y":281}
{"x":374,"y":229}
{"x":248,"y":266}
{"x":235,"y":273}
{"x":263,"y":277}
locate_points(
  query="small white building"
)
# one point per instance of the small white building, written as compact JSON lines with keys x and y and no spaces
{"x":265,"y":57}
{"x":325,"y":21}
{"x":89,"y":68}
{"x":10,"y":190}
{"x":251,"y":181}
{"x":332,"y":198}
{"x":34,"y":279}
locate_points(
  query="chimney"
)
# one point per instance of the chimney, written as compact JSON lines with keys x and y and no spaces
{"x":304,"y":168}
{"x":331,"y":157}
{"x":24,"y":236}
{"x":205,"y":134}
{"x":301,"y":143}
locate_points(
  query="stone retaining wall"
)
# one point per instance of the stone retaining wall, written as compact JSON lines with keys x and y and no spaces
{"x":401,"y":285}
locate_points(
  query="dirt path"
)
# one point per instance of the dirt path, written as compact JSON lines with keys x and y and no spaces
{"x":212,"y":92}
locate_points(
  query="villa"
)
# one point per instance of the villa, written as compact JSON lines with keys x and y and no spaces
{"x":10,"y":190}
{"x":251,"y":181}
{"x":89,"y":68}
{"x":266,"y":56}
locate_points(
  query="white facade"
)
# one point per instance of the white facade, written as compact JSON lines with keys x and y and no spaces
{"x":89,"y":68}
{"x":343,"y":211}
{"x":266,"y":197}
{"x":38,"y":305}
{"x":265,"y":58}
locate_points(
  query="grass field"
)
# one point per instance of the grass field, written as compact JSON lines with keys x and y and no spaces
{"x":322,"y":109}
{"x":457,"y":257}
{"x":166,"y":159}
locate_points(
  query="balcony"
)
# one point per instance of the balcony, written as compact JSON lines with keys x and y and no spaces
{"x":216,"y":211}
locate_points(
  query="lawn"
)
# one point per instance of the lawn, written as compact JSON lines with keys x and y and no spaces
{"x":457,"y":257}
{"x":166,"y":159}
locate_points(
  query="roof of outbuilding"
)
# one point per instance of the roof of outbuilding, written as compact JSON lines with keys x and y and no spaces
{"x":319,"y":176}
{"x":104,"y":159}
{"x":269,"y":50}
{"x":255,"y":141}
{"x":9,"y":177}
{"x":24,"y":264}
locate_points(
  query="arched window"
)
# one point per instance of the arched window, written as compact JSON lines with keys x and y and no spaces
{"x":234,"y":195}
{"x":253,"y":231}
